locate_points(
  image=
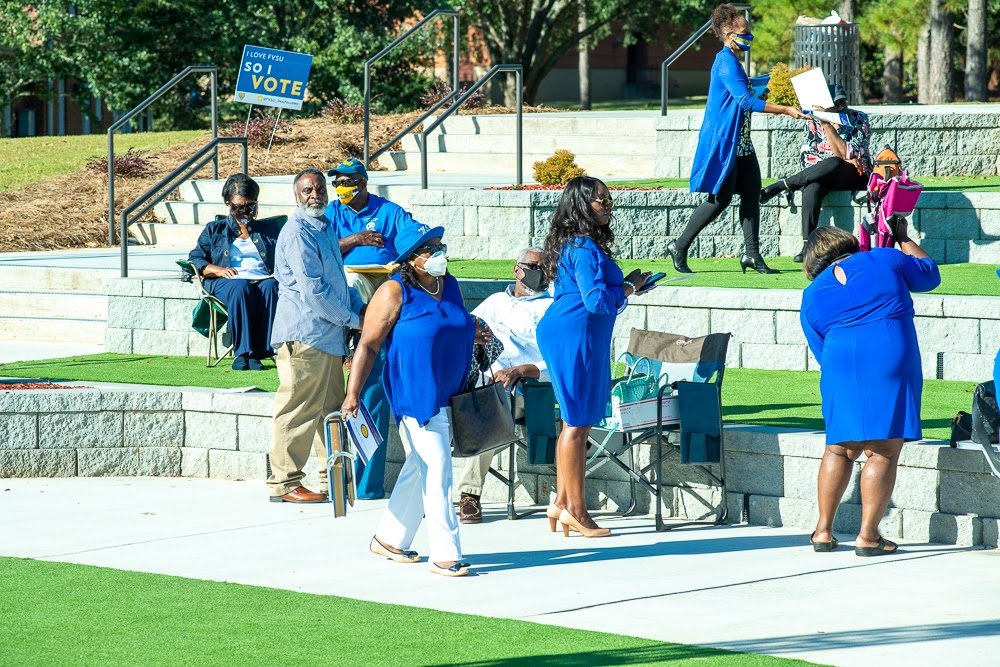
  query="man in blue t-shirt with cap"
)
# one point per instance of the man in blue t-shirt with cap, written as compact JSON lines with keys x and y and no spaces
{"x":367,"y":226}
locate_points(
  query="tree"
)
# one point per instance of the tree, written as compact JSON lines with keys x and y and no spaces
{"x":976,"y":52}
{"x":895,"y":26}
{"x":583,"y":55}
{"x":536,"y":33}
{"x":942,"y":46}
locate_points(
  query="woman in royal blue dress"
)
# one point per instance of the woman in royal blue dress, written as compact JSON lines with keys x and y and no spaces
{"x":857,"y":316}
{"x":574,"y":335}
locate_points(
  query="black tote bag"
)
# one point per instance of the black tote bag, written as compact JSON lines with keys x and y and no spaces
{"x":481,"y":420}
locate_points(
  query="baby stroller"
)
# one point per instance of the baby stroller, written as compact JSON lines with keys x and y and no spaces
{"x":892,"y":196}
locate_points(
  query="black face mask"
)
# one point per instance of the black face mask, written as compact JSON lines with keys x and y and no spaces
{"x":534,"y":280}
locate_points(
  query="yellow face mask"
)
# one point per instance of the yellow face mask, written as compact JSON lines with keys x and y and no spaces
{"x":347,"y":193}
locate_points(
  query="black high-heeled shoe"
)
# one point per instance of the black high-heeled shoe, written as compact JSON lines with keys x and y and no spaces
{"x":773,"y":190}
{"x":679,"y":259}
{"x":757,"y":264}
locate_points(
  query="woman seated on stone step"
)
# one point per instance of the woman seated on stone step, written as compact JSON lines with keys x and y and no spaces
{"x":834,"y":158}
{"x":857,"y":316}
{"x":235,"y":257}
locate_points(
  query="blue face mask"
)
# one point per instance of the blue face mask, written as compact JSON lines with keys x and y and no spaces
{"x":743,"y":41}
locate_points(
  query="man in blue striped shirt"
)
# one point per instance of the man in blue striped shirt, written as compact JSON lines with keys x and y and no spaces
{"x":315,"y":310}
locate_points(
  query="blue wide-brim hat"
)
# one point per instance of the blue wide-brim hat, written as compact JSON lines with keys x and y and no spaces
{"x":411,"y":238}
{"x":350,"y":167}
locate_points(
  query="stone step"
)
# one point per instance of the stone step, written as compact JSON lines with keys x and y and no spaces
{"x":180,"y":235}
{"x":14,"y":278}
{"x":604,"y":124}
{"x":506,"y":144}
{"x":601,"y":165}
{"x":41,"y":329}
{"x":53,"y":305}
{"x":202,"y":213}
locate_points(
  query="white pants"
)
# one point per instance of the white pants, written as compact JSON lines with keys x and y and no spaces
{"x":424,"y":489}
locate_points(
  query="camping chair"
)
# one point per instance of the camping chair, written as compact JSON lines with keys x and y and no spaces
{"x":537,"y":428}
{"x":208,"y":317}
{"x":695,"y":368}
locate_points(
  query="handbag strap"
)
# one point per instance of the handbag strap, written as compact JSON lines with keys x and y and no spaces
{"x":635,"y":366}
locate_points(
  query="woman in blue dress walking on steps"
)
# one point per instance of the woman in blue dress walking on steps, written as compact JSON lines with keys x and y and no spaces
{"x":857,"y":316}
{"x":574,"y":335}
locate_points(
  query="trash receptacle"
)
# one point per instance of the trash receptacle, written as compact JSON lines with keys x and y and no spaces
{"x":835,"y":48}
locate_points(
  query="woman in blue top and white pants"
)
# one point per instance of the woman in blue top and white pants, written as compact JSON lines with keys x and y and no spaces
{"x":725,"y":162}
{"x":428,"y":333}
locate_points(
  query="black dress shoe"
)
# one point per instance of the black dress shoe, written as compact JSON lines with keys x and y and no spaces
{"x":802,"y":253}
{"x":241,"y":363}
{"x":757,"y":264}
{"x":680,"y":259}
{"x":773,"y":190}
{"x":255,"y":365}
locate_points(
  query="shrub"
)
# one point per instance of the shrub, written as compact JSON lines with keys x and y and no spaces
{"x":132,"y":164}
{"x":258,"y":130}
{"x":557,"y":169}
{"x":343,"y":112}
{"x":780,"y":85}
{"x":440,"y":89}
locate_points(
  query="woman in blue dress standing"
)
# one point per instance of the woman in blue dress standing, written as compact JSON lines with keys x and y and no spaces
{"x":420,"y":316}
{"x":857,"y":316}
{"x":725,"y":162}
{"x":574,"y":335}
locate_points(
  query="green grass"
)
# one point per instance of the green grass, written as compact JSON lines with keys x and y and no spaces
{"x":960,"y":279}
{"x":770,"y":398}
{"x":32,"y":159}
{"x":930,"y":183}
{"x":63,"y":614}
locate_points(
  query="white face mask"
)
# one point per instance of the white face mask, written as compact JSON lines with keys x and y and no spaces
{"x":436,"y":264}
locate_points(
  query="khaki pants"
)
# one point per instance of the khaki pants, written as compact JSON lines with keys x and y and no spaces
{"x":311,"y":387}
{"x":366,"y":283}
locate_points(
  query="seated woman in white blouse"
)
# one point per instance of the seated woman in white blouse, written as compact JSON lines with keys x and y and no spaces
{"x":235,"y":256}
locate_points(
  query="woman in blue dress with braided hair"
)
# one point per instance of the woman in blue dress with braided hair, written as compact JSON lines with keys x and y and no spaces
{"x":574,"y":335}
{"x":857,"y":316}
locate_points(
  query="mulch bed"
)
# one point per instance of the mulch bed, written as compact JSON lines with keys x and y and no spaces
{"x":37,"y":385}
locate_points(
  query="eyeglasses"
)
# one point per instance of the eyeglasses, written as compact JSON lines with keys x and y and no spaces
{"x":348,"y":181}
{"x":431,"y":248}
{"x":530,"y":265}
{"x":606,"y":203}
{"x":245,"y":209}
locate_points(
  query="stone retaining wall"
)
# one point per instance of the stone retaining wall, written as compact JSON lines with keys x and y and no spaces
{"x":942,"y":495}
{"x":495,"y":224}
{"x":959,"y":143}
{"x":958,"y":335}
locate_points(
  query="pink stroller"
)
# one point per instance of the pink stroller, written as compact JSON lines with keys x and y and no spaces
{"x":888,"y":202}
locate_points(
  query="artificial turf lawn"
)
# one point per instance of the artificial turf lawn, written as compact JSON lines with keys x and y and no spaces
{"x":930,"y":183}
{"x":30,"y":159}
{"x":788,"y":399}
{"x":63,"y":614}
{"x":959,"y":279}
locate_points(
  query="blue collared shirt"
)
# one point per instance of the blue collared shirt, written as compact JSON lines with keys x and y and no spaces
{"x":379,"y":215}
{"x":315,"y":305}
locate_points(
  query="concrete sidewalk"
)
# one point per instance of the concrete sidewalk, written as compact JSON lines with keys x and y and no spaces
{"x":743,"y":588}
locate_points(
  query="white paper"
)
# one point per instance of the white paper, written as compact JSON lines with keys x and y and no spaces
{"x":811,"y":89}
{"x":363,"y":433}
{"x":830,"y":117}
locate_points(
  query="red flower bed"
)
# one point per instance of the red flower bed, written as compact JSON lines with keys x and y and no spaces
{"x":36,"y":385}
{"x":539,"y":186}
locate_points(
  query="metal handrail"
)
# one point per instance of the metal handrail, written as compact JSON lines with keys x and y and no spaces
{"x":186,"y":170}
{"x":496,"y":69}
{"x":193,"y":69}
{"x":695,"y":36}
{"x":455,"y":22}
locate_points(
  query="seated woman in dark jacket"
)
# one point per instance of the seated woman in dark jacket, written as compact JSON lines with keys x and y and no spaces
{"x":235,"y":256}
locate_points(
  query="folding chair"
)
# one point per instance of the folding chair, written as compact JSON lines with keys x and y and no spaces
{"x":695,"y":367}
{"x":209,"y":316}
{"x":535,"y":416}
